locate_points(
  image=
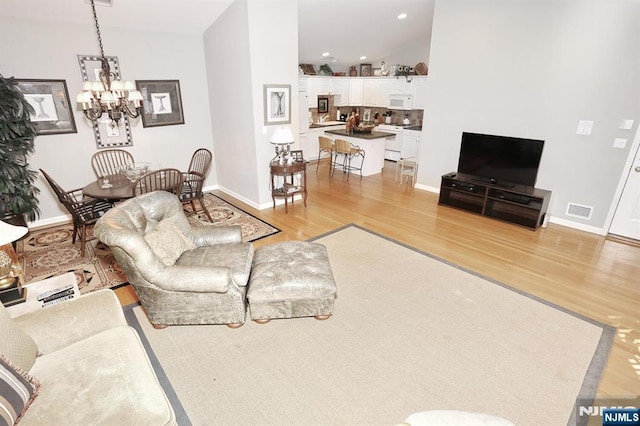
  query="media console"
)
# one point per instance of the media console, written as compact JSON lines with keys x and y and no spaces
{"x":518,"y":204}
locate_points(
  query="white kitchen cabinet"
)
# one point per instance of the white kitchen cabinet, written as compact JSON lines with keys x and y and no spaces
{"x":339,"y":88}
{"x":403,"y":85}
{"x":411,"y":140}
{"x":376,"y":92}
{"x":420,"y":93}
{"x":385,"y":87}
{"x":317,"y":86}
{"x":302,"y":84}
{"x":356,"y":91}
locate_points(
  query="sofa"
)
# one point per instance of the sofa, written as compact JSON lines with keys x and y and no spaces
{"x":78,"y":363}
{"x":182,"y":274}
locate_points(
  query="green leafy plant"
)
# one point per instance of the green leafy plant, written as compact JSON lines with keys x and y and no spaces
{"x":325,"y":69}
{"x":18,"y":194}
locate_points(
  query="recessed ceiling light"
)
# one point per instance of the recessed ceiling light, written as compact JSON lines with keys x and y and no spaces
{"x":325,"y":54}
{"x":362,"y":58}
{"x":402,"y":16}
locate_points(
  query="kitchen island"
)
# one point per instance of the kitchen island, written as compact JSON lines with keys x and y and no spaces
{"x":373,"y":145}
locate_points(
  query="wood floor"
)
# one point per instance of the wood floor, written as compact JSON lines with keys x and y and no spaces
{"x":583,"y":272}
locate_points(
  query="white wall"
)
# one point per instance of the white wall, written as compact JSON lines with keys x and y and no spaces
{"x":253,"y":43}
{"x":48,"y":50}
{"x":532,"y":69}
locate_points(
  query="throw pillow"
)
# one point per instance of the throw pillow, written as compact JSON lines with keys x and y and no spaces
{"x":17,"y":391}
{"x":168,"y":242}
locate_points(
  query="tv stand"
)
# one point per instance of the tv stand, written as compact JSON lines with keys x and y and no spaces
{"x":522,"y":205}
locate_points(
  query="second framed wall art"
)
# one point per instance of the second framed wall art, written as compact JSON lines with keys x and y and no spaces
{"x":162,"y":104}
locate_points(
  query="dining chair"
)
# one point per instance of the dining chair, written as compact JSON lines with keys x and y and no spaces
{"x":194,"y":180}
{"x":328,"y":146}
{"x":84,"y":210}
{"x":108,"y":161}
{"x":348,"y":152}
{"x":169,"y":180}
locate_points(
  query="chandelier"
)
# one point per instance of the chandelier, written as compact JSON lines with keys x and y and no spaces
{"x":108,"y":95}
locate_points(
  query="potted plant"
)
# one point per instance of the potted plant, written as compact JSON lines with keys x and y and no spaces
{"x":18,"y":194}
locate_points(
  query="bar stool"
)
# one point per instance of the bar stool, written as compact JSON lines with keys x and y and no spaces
{"x":326,"y":145}
{"x":348,"y":151}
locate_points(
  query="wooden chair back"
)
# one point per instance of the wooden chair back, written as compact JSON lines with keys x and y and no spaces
{"x":200,"y":161}
{"x":170,"y":180}
{"x":108,"y":162}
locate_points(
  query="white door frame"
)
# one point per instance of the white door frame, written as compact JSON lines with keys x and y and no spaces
{"x":623,"y":179}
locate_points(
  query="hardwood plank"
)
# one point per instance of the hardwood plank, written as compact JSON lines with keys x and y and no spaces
{"x":586,"y":273}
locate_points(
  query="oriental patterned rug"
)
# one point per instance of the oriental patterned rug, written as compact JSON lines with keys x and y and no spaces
{"x":48,"y":252}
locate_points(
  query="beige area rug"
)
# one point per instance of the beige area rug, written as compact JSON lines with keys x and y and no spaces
{"x":409,"y":333}
{"x":49,"y":252}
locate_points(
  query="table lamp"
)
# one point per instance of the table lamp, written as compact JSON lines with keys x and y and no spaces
{"x":10,"y":292}
{"x":282,"y":138}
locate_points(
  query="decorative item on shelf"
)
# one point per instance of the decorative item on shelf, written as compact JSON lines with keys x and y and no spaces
{"x":11,"y":292}
{"x":421,"y":69}
{"x":353,"y":72}
{"x":365,"y":70}
{"x":116,"y":98}
{"x":282,"y":138}
{"x":325,"y":69}
{"x":384,"y":70}
{"x":308,"y":69}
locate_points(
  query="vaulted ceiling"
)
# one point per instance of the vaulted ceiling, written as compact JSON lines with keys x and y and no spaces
{"x":347,"y":29}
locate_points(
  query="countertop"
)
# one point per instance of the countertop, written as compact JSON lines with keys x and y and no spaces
{"x":372,"y":135}
{"x":330,"y":123}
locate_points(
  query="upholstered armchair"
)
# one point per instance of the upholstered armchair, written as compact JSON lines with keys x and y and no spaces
{"x":181,"y":274}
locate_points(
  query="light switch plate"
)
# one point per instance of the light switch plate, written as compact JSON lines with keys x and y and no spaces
{"x":619,"y":143}
{"x":584,"y":127}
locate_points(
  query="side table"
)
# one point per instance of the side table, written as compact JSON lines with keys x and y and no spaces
{"x":291,"y":183}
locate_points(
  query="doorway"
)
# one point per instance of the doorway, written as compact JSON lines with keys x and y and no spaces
{"x":626,"y":215}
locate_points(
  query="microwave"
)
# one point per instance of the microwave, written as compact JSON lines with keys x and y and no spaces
{"x":399,"y":100}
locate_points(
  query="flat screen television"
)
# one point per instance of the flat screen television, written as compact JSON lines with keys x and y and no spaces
{"x":501,"y":160}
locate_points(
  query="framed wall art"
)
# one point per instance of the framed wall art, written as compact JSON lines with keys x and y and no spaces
{"x":277,"y":104}
{"x":323,"y":105}
{"x":162,"y":104}
{"x":90,"y":67}
{"x":50,"y":101}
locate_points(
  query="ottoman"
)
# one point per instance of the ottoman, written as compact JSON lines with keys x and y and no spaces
{"x":290,"y":280}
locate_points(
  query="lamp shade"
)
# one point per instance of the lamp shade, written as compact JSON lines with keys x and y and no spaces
{"x":10,"y":233}
{"x":282,"y":136}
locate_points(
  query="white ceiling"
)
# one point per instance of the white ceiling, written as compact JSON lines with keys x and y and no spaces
{"x":347,"y":29}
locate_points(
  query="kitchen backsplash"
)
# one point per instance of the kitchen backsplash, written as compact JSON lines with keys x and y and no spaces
{"x":397,"y":116}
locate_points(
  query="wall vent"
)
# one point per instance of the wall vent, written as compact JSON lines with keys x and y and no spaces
{"x":577,"y":210}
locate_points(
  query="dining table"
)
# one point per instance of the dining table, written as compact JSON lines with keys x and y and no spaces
{"x":117,"y":188}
